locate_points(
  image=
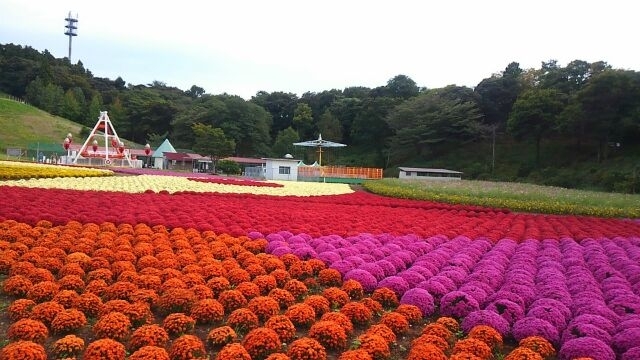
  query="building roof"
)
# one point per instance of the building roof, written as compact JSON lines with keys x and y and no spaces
{"x":179,"y":156}
{"x":281,"y":159}
{"x":245,"y":160}
{"x":165,"y":147}
{"x":440,"y":171}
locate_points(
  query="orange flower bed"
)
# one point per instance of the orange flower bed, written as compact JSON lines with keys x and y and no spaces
{"x":473,"y":346}
{"x":353,"y":289}
{"x":232,"y":300}
{"x":221,"y":336}
{"x":68,"y":321}
{"x":282,"y":326}
{"x":429,"y":352}
{"x":523,"y":353}
{"x":384,"y":331}
{"x":207,"y":311}
{"x":329,"y":334}
{"x":264,"y":307}
{"x":187,"y":347}
{"x":178,"y":324}
{"x":396,"y":322}
{"x":283,"y":297}
{"x":411,"y":312}
{"x":330,"y":277}
{"x":243,"y":320}
{"x":301,"y":314}
{"x":386,"y":297}
{"x":374,"y":345}
{"x":486,"y":334}
{"x":357,"y":354}
{"x":336,"y":296}
{"x":261,"y":342}
{"x":357,"y":312}
{"x":148,"y":335}
{"x":320,"y":304}
{"x":20,"y":309}
{"x":340,"y":319}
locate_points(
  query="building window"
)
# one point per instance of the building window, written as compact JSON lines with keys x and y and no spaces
{"x":420,"y":173}
{"x":284,"y":170}
{"x":409,"y":173}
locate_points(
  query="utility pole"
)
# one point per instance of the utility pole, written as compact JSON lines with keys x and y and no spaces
{"x":71,"y":30}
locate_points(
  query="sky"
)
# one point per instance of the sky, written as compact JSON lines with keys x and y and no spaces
{"x":244,"y":46}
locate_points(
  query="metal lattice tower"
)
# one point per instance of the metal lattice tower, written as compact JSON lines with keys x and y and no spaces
{"x":71,"y":29}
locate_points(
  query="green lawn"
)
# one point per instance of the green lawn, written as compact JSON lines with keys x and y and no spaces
{"x":513,"y":196}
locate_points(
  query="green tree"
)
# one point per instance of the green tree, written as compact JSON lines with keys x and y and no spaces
{"x":430,"y":120}
{"x":534,"y":115}
{"x":212,"y":142}
{"x":93,"y":111}
{"x":330,"y":127}
{"x":303,"y":120}
{"x":71,"y":107}
{"x":402,"y":86}
{"x":284,"y":142}
{"x":280,"y":105}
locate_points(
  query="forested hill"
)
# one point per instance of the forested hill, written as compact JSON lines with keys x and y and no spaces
{"x":574,"y":125}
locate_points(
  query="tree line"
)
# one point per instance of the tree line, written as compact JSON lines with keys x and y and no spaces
{"x":590,"y":105}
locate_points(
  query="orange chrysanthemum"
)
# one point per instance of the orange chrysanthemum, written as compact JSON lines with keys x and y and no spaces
{"x":43,"y":291}
{"x":233,"y":351}
{"x":306,"y":349}
{"x":283,"y":297}
{"x":426,"y":352}
{"x":384,"y":331}
{"x":473,"y":346}
{"x":319,"y":303}
{"x":249,"y":290}
{"x":523,"y":353}
{"x":232,"y":300}
{"x":282,"y":326}
{"x":386,"y":297}
{"x":72,"y":282}
{"x":439,"y":330}
{"x":375,"y":345}
{"x":329,"y":334}
{"x":150,"y":353}
{"x":489,"y":335}
{"x":339,"y":318}
{"x":265,"y":283}
{"x":68,"y":346}
{"x":396,"y":322}
{"x":357,"y":354}
{"x":66,"y":298}
{"x":105,"y":349}
{"x":437,"y":341}
{"x":337,"y":297}
{"x":330,"y":277}
{"x":242,"y":320}
{"x":411,"y":312}
{"x":187,"y":347}
{"x":374,"y":306}
{"x":178,"y":323}
{"x":176,"y":300}
{"x":28,"y":330}
{"x":148,"y":335}
{"x":17,"y":285}
{"x":301,"y":314}
{"x":297,"y":288}
{"x":538,"y":344}
{"x":46,"y":312}
{"x":114,"y":325}
{"x":264,"y":307}
{"x":139,"y":313}
{"x":354,"y":289}
{"x":450,"y":323}
{"x":207,"y":311}
{"x":68,"y":321}
{"x":20,"y":309}
{"x":221,"y":336}
{"x":261,"y":342}
{"x":21,"y":350}
{"x":357,"y":312}
{"x":281,"y":275}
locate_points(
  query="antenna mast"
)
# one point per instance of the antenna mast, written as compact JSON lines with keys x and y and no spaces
{"x":71,"y":29}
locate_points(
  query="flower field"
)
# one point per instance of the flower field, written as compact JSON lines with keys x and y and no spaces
{"x":155,"y":267}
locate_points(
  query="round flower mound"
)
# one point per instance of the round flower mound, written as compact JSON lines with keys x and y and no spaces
{"x":487,"y":334}
{"x":114,"y":325}
{"x":396,"y":322}
{"x":421,"y":299}
{"x":176,"y":300}
{"x":232,"y":300}
{"x":632,"y":354}
{"x":207,"y":311}
{"x":283,"y":297}
{"x":357,"y":312}
{"x":261,"y":342}
{"x":368,"y":281}
{"x":265,"y":283}
{"x":523,"y":353}
{"x":426,"y":352}
{"x":148,"y":335}
{"x":458,"y":304}
{"x":337,"y":297}
{"x":319,"y":303}
{"x":434,"y":340}
{"x":488,"y":318}
{"x":105,"y":349}
{"x":535,"y":327}
{"x":89,"y":304}
{"x":538,"y":344}
{"x":301,"y":314}
{"x":329,"y":277}
{"x":340,"y":319}
{"x":187,"y":347}
{"x":357,"y":354}
{"x":472,"y":346}
{"x":626,"y":339}
{"x":439,"y":330}
{"x":306,"y":349}
{"x":329,"y":334}
{"x":586,"y":347}
{"x":46,"y":311}
{"x":178,"y":323}
{"x":17,"y":285}
{"x":353,"y":288}
{"x":450,"y":323}
{"x":68,"y":346}
{"x":150,"y":352}
{"x":384,"y":331}
{"x":264,"y":307}
{"x":139,"y":313}
{"x":297,"y":288}
{"x":411,"y":312}
{"x":68,"y":321}
{"x":20,"y":309}
{"x":243,"y":320}
{"x":28,"y":330}
{"x":24,"y":350}
{"x":374,"y":345}
{"x":233,"y":351}
{"x":278,"y":356}
{"x":386,"y":297}
{"x":43,"y":291}
{"x":221,"y":336}
{"x":282,"y":326}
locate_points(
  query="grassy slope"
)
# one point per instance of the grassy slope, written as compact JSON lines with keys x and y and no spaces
{"x":22,"y":124}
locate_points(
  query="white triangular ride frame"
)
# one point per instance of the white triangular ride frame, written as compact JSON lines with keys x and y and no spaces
{"x":108,"y":126}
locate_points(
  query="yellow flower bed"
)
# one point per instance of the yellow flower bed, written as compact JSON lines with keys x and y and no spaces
{"x":11,"y":170}
{"x":172,"y":184}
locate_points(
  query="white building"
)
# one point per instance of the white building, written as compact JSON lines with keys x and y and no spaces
{"x":429,"y":174}
{"x":281,"y":169}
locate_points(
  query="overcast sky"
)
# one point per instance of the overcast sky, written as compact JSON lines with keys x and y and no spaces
{"x":244,"y":46}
